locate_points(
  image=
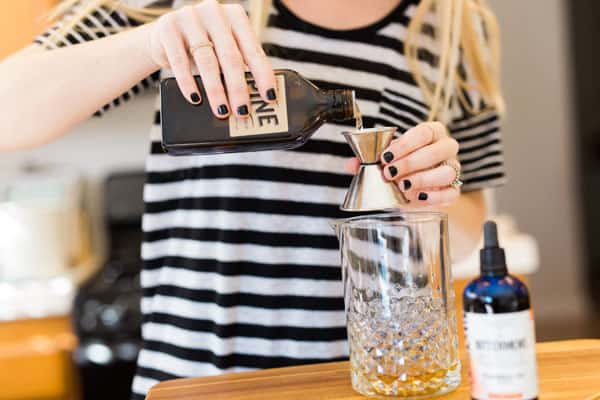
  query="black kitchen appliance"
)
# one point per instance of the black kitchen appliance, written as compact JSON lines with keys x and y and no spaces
{"x":106,"y":313}
{"x":585,"y":32}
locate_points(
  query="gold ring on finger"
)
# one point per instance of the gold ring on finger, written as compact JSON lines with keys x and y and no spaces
{"x":457,"y":182}
{"x":199,"y":46}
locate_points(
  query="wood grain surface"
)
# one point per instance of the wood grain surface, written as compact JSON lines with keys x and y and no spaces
{"x":568,"y":370}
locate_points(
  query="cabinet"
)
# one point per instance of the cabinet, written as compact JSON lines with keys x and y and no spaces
{"x":36,"y":360}
{"x":20,"y":22}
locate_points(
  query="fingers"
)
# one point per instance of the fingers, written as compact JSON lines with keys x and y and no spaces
{"x":413,"y":139}
{"x":352,"y":165}
{"x":177,"y":56}
{"x":433,"y":197}
{"x":228,"y":28}
{"x":205,"y":59}
{"x":230,"y":59}
{"x":413,"y":162}
{"x":439,"y":177}
{"x":252,"y":51}
{"x":422,"y":159}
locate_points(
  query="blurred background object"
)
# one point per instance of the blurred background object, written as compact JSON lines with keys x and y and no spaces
{"x":106,"y":313}
{"x":47,"y":273}
{"x":551,"y":149}
{"x":20,"y":21}
{"x":541,"y":136}
{"x":585,"y":30}
{"x":44,"y":242}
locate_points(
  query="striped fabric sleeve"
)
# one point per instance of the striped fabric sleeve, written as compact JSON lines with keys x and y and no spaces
{"x":83,"y":23}
{"x":480,"y":148}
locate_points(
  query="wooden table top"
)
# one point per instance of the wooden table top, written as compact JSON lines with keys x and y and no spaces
{"x":568,"y":370}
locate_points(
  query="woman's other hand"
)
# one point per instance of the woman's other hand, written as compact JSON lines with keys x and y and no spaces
{"x":215,"y":39}
{"x":423,"y":163}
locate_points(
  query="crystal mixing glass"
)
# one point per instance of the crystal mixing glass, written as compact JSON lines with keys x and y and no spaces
{"x":399,"y":303}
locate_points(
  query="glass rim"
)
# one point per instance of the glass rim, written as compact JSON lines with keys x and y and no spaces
{"x":392,"y":218}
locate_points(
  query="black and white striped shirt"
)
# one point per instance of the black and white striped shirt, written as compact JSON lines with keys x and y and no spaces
{"x":241,"y":268}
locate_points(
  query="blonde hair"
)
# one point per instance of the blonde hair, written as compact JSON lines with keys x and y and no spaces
{"x":469,"y":56}
{"x":466,"y":34}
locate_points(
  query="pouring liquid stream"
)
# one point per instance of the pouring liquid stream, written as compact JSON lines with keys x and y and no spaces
{"x":358,"y":117}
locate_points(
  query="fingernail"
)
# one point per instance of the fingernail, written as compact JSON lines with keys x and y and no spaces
{"x":423,"y":196}
{"x":222,"y":110}
{"x":271,"y":95}
{"x":407,"y":184}
{"x":195,"y":97}
{"x":388,"y":156}
{"x":393,"y":170}
{"x":242,"y":110}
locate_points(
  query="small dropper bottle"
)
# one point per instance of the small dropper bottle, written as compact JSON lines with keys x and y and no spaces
{"x":499,"y":329}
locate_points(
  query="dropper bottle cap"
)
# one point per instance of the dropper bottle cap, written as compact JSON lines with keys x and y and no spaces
{"x":492,"y":257}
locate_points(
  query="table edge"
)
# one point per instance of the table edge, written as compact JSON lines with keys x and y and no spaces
{"x":308,"y":369}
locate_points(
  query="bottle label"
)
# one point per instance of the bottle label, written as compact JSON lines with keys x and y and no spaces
{"x":265,"y":118}
{"x":502,"y":355}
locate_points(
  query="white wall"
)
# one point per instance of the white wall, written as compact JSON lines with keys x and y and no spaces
{"x":538,"y":137}
{"x":118,"y":140}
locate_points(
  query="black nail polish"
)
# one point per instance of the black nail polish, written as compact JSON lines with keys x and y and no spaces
{"x":423,"y":196}
{"x":393,"y":171}
{"x":407,"y":184}
{"x":243,"y":110}
{"x":195,"y":97}
{"x":222,"y":110}
{"x":388,"y":156}
{"x":271,"y":95}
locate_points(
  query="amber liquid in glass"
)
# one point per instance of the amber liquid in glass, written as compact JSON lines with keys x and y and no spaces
{"x":407,"y":356}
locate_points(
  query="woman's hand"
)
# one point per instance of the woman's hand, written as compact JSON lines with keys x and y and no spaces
{"x":215,"y":39}
{"x":423,"y":163}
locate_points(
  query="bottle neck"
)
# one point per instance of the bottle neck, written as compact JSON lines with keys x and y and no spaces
{"x":341,"y":104}
{"x":493,"y":262}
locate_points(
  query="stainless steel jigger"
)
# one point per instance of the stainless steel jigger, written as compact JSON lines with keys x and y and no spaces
{"x":369,"y":190}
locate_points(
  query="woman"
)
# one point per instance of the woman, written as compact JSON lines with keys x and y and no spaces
{"x":241,"y":269}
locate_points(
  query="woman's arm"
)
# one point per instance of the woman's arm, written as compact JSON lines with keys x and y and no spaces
{"x":43,"y":94}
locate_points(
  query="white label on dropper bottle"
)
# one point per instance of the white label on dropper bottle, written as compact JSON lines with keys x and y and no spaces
{"x":502,"y":355}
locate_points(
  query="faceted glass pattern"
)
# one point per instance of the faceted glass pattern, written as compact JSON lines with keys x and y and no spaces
{"x":399,"y":305}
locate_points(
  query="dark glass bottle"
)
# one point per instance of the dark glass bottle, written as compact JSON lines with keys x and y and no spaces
{"x":300,"y":109}
{"x":499,"y":329}
{"x":495,"y":291}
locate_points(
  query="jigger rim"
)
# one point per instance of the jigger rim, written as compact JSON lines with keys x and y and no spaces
{"x":369,"y":130}
{"x":392,"y":218}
